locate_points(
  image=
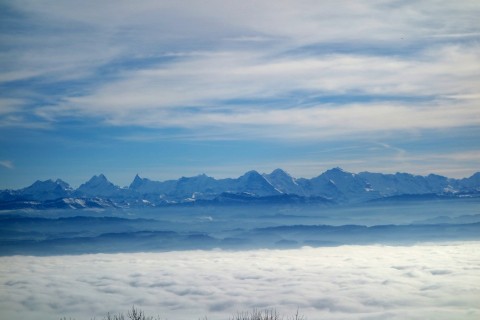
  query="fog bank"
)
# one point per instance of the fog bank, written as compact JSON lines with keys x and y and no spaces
{"x":437,"y":281}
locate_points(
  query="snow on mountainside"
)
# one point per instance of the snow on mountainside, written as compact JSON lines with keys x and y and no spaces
{"x":39,"y":191}
{"x":200,"y":186}
{"x":98,"y":186}
{"x":405,"y":183}
{"x":253,"y":182}
{"x":339,"y":185}
{"x":472,"y":183}
{"x":332,"y":186}
{"x":146,"y":186}
{"x":47,"y":190}
{"x":284,"y":182}
{"x":203,"y":186}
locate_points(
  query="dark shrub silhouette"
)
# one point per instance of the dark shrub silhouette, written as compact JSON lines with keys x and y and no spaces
{"x":269,"y":314}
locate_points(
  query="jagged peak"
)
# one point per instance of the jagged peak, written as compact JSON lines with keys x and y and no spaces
{"x":475,"y":175}
{"x":63,"y":184}
{"x":403,"y":174}
{"x":433,"y":175}
{"x":336,"y":170}
{"x":38,"y":184}
{"x":276,"y":178}
{"x":42,"y":182}
{"x":200,"y":177}
{"x":252,"y":173}
{"x":138,"y":178}
{"x":278,"y":172}
{"x":57,"y":182}
{"x":136,"y":182}
{"x":98,"y":185}
{"x":49,"y":184}
{"x":96,"y":179}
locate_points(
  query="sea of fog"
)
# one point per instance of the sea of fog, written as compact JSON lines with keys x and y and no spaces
{"x":428,"y":281}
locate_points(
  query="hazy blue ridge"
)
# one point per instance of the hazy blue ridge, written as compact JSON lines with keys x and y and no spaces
{"x":58,"y":232}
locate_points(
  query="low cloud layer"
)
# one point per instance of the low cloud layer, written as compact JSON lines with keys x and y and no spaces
{"x":349,"y":282}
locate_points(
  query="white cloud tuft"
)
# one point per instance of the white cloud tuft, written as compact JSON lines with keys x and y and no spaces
{"x":7,"y":164}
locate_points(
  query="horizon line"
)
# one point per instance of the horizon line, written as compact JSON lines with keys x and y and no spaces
{"x":249,"y":171}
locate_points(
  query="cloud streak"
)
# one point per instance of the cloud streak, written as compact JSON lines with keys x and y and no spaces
{"x":203,"y":92}
{"x":346,"y":282}
{"x":312,"y":123}
{"x":7,"y":164}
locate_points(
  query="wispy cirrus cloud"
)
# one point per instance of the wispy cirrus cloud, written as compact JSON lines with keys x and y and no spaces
{"x":224,"y":89}
{"x":317,"y":122}
{"x":215,"y":77}
{"x":7,"y":164}
{"x":303,"y":59}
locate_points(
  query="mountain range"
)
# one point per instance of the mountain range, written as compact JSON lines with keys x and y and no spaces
{"x":334,"y":186}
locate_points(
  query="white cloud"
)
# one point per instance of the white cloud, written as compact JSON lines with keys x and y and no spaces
{"x":349,"y":282}
{"x":7,"y":164}
{"x":317,"y":122}
{"x":163,"y":96}
{"x":269,"y":59}
{"x":209,"y":79}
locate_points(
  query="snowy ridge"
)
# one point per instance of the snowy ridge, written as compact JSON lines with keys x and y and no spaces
{"x":335,"y":186}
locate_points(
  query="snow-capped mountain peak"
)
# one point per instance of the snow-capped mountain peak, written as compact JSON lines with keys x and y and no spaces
{"x":335,"y":184}
{"x":284,"y":182}
{"x":98,"y":186}
{"x":137,"y":182}
{"x":254,"y":182}
{"x":46,"y":190}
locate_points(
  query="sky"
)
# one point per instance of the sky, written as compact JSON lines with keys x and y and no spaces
{"x":178,"y":88}
{"x":347,"y":282}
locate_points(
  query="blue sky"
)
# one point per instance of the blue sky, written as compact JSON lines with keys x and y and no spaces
{"x":178,"y":88}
